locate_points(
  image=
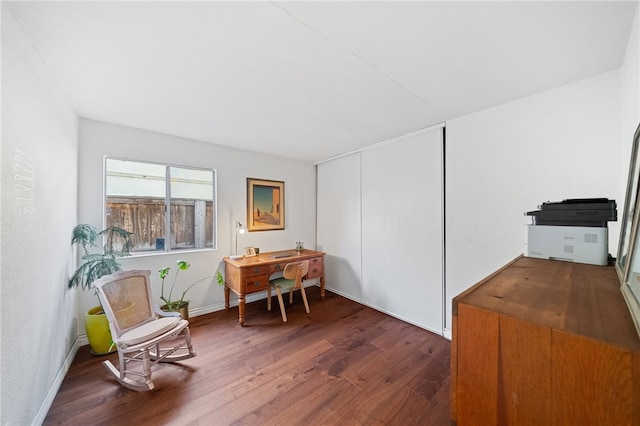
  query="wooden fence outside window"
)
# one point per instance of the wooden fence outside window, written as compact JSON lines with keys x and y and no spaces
{"x":191,"y":224}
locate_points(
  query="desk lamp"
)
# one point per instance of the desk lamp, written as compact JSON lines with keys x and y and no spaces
{"x":240,"y":229}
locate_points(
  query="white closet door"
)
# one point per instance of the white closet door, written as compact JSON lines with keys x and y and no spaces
{"x":402,"y":229}
{"x":338,"y":224}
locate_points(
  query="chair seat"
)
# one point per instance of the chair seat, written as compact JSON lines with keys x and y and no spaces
{"x":283,"y":283}
{"x":148,"y":331}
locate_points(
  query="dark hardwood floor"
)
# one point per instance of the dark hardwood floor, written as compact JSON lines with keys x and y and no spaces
{"x":343,"y":364}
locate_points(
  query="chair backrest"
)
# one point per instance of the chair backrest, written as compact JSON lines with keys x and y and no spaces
{"x":297,"y":271}
{"x":125,"y":297}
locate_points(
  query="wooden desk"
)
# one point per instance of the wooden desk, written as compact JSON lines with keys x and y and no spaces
{"x":251,"y":274}
{"x":545,"y":342}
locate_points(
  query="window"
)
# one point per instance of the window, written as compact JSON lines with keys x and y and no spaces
{"x":167,"y":207}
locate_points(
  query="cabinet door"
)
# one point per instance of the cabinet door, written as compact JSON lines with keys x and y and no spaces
{"x":475,"y":378}
{"x":525,"y":373}
{"x":339,"y":224}
{"x":402,"y":229}
{"x":501,"y":369}
{"x":593,"y":382}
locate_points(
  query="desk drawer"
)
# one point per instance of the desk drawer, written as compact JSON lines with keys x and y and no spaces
{"x":316,"y":268}
{"x":255,"y":271}
{"x":278,"y":267}
{"x":258,"y":283}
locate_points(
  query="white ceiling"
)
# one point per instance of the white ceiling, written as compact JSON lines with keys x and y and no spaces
{"x":310,"y":80}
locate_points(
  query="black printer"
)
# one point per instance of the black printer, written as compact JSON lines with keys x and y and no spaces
{"x":576,"y":212}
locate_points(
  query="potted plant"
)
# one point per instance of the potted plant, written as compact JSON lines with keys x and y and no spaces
{"x":117,"y":244}
{"x":180,"y":305}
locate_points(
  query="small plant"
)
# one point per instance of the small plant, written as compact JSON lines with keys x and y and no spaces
{"x":118,"y":244}
{"x":174,"y":305}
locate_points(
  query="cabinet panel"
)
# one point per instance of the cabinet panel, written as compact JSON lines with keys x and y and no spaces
{"x":402,"y":225}
{"x":339,"y":224}
{"x":525,"y":367}
{"x":592,"y":382}
{"x":477,"y":366}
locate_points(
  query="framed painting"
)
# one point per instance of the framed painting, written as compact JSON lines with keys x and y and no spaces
{"x":265,"y":205}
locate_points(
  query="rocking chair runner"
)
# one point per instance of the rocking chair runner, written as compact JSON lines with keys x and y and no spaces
{"x":140,"y":336}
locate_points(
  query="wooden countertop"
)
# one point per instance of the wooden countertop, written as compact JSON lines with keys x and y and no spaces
{"x":573,"y":297}
{"x":267,"y":258}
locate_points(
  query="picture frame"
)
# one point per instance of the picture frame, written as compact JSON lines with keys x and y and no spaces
{"x":628,"y":259}
{"x":250,"y":252}
{"x":265,"y":205}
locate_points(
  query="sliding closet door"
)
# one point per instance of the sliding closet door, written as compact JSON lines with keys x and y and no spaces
{"x":338,"y":224}
{"x":402,"y":229}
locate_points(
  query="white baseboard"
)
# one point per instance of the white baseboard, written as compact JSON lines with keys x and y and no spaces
{"x":391,"y":314}
{"x":55,"y":386}
{"x":447,"y":333}
{"x":82,"y":340}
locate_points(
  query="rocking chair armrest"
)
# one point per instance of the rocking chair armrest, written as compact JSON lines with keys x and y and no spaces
{"x":162,"y":313}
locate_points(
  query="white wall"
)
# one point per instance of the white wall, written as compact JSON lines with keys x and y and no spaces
{"x":630,"y":93}
{"x":505,"y":161}
{"x":38,"y":210}
{"x":233,"y":166}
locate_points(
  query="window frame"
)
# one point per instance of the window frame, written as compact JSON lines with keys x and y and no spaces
{"x":167,"y":204}
{"x":626,"y":263}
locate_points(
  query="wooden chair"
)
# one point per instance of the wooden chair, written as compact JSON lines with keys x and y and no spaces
{"x":291,"y":280}
{"x":142,"y":333}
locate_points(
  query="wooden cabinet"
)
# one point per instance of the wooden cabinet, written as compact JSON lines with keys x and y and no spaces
{"x":544,"y":342}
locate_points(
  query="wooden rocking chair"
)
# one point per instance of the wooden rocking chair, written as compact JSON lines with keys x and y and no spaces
{"x":142,"y":333}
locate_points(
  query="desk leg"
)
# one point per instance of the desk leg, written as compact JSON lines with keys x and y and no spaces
{"x":226,"y":298}
{"x":241,"y":302}
{"x":322,"y":287}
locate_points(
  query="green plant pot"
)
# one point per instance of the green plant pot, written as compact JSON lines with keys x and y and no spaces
{"x":98,"y":334}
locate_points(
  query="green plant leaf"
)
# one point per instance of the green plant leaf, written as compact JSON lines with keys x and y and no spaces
{"x":164,"y":272}
{"x":183,"y":265}
{"x":96,"y":265}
